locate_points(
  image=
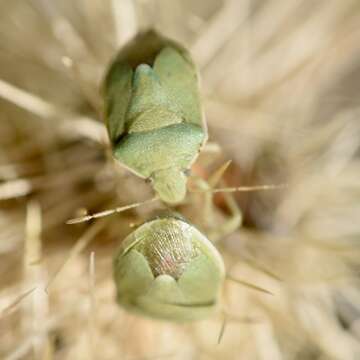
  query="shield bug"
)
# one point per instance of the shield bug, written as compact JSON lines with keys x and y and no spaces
{"x":153,"y":113}
{"x":168,"y":269}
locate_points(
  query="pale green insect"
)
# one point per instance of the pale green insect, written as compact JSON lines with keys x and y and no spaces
{"x":153,"y":113}
{"x":167,"y":269}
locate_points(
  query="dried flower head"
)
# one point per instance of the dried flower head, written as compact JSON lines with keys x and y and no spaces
{"x":280,"y":85}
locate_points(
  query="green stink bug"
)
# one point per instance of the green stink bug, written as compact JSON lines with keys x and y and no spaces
{"x":167,"y":269}
{"x":153,"y":113}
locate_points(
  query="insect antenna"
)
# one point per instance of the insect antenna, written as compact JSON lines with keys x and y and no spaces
{"x":109,"y":211}
{"x":249,"y":188}
{"x":209,"y":185}
{"x":242,"y":188}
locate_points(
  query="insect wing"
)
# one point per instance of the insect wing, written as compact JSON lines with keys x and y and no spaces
{"x":117,"y":98}
{"x":179,"y":78}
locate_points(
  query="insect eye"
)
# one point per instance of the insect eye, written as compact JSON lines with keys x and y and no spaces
{"x":148,"y":180}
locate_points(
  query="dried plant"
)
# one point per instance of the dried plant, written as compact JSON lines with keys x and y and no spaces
{"x":280,"y":83}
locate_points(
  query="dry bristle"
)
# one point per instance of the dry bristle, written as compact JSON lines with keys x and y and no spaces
{"x":280,"y":87}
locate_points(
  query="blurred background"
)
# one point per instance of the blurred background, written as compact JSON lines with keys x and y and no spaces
{"x":280,"y":88}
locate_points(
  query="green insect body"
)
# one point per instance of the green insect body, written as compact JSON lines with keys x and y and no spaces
{"x":167,"y":269}
{"x":153,"y":113}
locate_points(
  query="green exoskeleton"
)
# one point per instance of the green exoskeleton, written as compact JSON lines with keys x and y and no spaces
{"x":153,"y":113}
{"x":168,"y":269}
